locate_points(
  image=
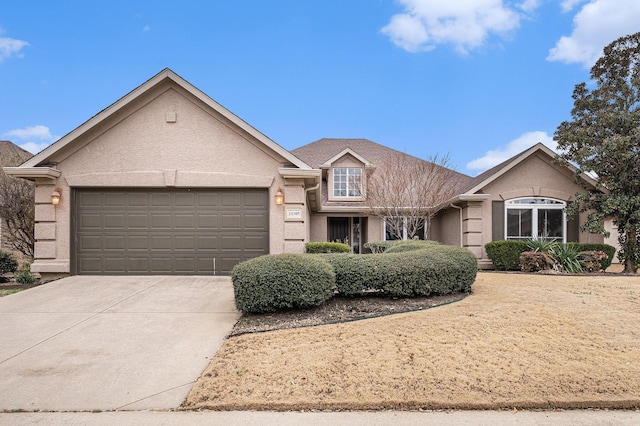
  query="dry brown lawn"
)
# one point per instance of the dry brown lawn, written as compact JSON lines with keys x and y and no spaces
{"x":519,"y":341}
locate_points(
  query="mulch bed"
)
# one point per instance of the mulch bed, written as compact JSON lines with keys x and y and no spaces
{"x":339,"y":309}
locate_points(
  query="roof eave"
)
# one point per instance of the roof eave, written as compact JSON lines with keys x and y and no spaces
{"x":33,"y":173}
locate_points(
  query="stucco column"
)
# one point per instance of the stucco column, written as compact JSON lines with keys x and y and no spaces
{"x":46,"y":257}
{"x":472,"y":228}
{"x":295,"y":216}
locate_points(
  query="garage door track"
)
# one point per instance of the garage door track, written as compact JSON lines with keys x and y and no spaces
{"x":109,"y":343}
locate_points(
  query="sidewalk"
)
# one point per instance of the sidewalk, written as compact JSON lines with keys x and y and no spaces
{"x":441,"y":418}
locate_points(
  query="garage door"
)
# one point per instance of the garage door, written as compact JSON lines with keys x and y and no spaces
{"x":178,"y":232}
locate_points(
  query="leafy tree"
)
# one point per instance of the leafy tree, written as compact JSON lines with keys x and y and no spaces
{"x":16,"y":209}
{"x":604,"y":138}
{"x":408,"y":192}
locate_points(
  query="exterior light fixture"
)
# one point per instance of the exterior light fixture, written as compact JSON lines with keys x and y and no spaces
{"x":55,"y":196}
{"x":279,"y":197}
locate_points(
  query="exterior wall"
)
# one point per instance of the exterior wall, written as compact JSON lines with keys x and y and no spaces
{"x":166,"y":139}
{"x":534,"y":177}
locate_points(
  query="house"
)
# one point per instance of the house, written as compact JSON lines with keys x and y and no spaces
{"x":10,"y":155}
{"x":168,"y":181}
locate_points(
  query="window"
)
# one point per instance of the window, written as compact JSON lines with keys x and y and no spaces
{"x":527,"y":218}
{"x":347,"y":182}
{"x":396,"y":229}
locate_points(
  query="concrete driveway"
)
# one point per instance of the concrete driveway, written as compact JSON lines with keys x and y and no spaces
{"x":108,"y":343}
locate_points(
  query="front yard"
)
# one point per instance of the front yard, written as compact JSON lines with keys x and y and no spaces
{"x":519,"y":341}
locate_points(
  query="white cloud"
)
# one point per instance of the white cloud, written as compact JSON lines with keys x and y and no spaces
{"x":41,"y":134}
{"x":10,"y":47}
{"x":568,"y":5}
{"x":516,"y":146}
{"x":465,"y":24}
{"x":597,"y":23}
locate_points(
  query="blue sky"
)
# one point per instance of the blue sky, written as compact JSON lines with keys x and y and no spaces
{"x":480,"y":80}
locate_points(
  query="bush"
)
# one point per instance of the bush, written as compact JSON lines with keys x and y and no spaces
{"x":286,"y":281}
{"x":610,"y":251}
{"x":435,"y":269}
{"x":410,"y":245}
{"x":326,"y":247}
{"x":534,"y":261}
{"x":505,"y":255}
{"x":355,"y":274}
{"x":591,"y":261}
{"x":24,"y":276}
{"x":8,"y":263}
{"x":378,"y":247}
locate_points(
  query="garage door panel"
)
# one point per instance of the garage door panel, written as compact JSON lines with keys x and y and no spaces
{"x":114,"y":221}
{"x":114,"y":242}
{"x":115,"y":199}
{"x":161,"y":220}
{"x":137,"y":264}
{"x":137,"y":221}
{"x":138,"y":242}
{"x":114,"y":264}
{"x":255,"y":221}
{"x":90,"y":221}
{"x":185,"y":221}
{"x":168,"y":231}
{"x":160,"y":242}
{"x":207,"y":221}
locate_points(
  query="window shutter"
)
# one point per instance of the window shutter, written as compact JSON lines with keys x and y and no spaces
{"x":573,"y":228}
{"x":497,"y":221}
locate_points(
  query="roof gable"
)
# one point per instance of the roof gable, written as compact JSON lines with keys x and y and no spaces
{"x":342,"y":154}
{"x":489,"y":176}
{"x":164,"y":76}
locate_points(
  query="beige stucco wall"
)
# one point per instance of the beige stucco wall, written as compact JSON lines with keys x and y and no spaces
{"x":167,"y":138}
{"x":533,"y":177}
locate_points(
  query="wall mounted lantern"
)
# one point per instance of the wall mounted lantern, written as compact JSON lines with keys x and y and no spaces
{"x":55,"y":196}
{"x":279,"y":197}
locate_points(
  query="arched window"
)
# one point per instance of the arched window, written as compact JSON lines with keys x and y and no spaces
{"x":527,"y":218}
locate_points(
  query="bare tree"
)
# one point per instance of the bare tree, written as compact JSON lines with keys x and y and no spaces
{"x":16,"y":210}
{"x":408,"y":192}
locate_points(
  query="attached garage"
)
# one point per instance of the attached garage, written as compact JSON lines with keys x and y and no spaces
{"x":167,"y":232}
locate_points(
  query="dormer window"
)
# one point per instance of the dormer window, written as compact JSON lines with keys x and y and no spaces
{"x":347,"y":182}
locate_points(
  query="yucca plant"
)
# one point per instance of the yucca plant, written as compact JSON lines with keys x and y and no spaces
{"x":566,"y":258}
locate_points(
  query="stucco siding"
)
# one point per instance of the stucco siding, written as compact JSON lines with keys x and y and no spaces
{"x":166,"y":139}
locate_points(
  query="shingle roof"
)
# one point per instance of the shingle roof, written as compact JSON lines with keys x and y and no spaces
{"x":12,"y":155}
{"x":319,"y":152}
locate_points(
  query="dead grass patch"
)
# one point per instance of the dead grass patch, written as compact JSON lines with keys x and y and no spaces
{"x":519,"y":341}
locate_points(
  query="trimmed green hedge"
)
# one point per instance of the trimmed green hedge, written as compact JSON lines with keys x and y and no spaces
{"x":505,"y":255}
{"x":326,"y":247}
{"x":286,"y":281}
{"x":274,"y":282}
{"x":410,"y":245}
{"x":434,"y":269}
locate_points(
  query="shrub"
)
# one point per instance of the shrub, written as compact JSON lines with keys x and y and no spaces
{"x":610,"y":251}
{"x":410,"y":245}
{"x":286,"y":281}
{"x":378,"y":247}
{"x":356,"y":274}
{"x":326,"y":247}
{"x":591,"y":261}
{"x":8,"y":263}
{"x":435,"y":269}
{"x":565,"y":257}
{"x":24,"y":276}
{"x":505,"y":255}
{"x":534,"y":261}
